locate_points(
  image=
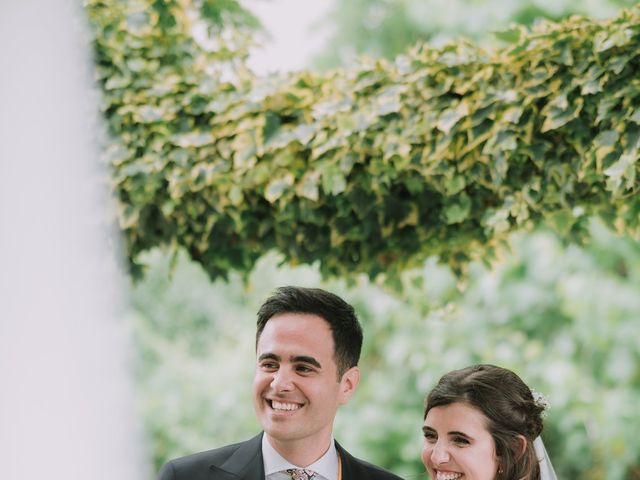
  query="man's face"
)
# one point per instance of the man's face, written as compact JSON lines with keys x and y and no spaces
{"x":296,"y":391}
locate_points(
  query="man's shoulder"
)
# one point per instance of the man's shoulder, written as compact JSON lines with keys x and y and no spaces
{"x":376,"y":472}
{"x":357,"y":468}
{"x":196,"y":465}
{"x":208,"y":457}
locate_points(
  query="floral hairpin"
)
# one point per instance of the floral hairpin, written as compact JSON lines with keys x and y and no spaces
{"x":541,"y":401}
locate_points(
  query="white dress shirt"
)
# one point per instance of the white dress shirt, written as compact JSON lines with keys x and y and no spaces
{"x":326,"y":467}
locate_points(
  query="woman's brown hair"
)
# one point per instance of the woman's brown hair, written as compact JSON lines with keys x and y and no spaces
{"x":510,"y":409}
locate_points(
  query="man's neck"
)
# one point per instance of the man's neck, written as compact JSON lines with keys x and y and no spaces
{"x":301,"y":453}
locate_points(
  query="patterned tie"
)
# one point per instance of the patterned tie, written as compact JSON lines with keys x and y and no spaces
{"x":301,"y":474}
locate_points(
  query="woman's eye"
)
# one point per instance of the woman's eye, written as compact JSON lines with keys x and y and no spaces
{"x":461,"y":440}
{"x":430,"y":437}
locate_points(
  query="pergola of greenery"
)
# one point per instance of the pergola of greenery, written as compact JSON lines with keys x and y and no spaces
{"x":371,"y":169}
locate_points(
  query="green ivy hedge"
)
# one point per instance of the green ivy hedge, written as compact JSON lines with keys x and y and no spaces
{"x":442,"y":152}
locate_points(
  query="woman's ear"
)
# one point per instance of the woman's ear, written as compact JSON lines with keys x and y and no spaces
{"x":522,"y":444}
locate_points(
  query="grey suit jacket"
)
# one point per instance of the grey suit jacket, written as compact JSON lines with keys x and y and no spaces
{"x":243,"y":461}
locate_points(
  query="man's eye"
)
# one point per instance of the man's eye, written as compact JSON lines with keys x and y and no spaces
{"x":268,"y":366}
{"x":304,"y":369}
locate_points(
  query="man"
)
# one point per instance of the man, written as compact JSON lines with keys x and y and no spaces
{"x":308,"y":345}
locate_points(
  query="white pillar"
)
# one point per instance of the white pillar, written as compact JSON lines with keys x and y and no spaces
{"x":66,"y":399}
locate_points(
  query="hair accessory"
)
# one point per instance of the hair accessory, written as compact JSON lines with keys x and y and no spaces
{"x":541,"y":401}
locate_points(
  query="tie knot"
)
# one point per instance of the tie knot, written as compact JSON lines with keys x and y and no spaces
{"x":301,"y":474}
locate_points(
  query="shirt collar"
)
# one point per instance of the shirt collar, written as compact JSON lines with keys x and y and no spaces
{"x":327,"y":465}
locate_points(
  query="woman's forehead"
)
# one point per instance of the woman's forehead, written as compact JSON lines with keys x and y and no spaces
{"x":458,"y":416}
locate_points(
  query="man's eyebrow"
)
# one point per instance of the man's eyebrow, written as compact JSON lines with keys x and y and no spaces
{"x":305,"y":359}
{"x":269,"y":356}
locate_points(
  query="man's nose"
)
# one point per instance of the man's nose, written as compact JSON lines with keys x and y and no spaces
{"x":440,"y":453}
{"x":282,"y":381}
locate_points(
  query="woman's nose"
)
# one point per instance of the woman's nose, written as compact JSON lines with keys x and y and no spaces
{"x":440,"y":453}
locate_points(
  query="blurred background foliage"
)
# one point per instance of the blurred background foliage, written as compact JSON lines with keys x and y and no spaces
{"x":385,"y":28}
{"x":562,"y":316}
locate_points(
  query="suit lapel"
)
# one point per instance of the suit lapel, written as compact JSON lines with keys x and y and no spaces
{"x":351,"y":469}
{"x":245,"y":463}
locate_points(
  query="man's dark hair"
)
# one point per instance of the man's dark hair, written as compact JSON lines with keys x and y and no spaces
{"x":341,"y":317}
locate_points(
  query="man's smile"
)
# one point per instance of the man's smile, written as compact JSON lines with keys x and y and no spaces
{"x":284,"y":406}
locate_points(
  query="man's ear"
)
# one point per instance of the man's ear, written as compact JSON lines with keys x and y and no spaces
{"x":348,"y":384}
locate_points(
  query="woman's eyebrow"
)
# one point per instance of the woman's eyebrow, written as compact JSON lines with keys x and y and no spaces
{"x":459,"y":434}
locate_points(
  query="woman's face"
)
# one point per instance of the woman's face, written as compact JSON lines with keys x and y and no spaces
{"x":458,"y":445}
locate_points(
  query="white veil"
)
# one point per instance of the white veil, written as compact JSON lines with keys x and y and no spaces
{"x":546,"y":469}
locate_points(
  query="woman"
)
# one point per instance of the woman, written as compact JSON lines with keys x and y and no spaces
{"x":483,"y":423}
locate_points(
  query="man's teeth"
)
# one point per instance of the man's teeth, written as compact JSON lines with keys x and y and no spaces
{"x":284,"y":406}
{"x":447,"y":476}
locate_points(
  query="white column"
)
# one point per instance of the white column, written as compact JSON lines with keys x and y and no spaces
{"x":66,"y":397}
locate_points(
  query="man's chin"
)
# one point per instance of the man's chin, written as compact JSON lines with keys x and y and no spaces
{"x":278,"y":436}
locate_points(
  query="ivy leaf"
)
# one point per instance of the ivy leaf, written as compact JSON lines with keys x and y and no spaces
{"x":503,"y":141}
{"x":605,"y":40}
{"x":276,"y":187}
{"x":304,"y":133}
{"x":560,"y":112}
{"x":128,"y":216}
{"x":193,"y":139}
{"x":271,"y":126}
{"x":235,"y":195}
{"x":608,"y":138}
{"x":116,"y":82}
{"x":244,"y":148}
{"x":512,"y":114}
{"x":331,"y":107}
{"x":458,"y":210}
{"x":136,"y":65}
{"x":498,"y":167}
{"x":510,"y":35}
{"x":605,"y":143}
{"x":333,"y":181}
{"x":137,"y":22}
{"x":623,"y":169}
{"x":561,"y":220}
{"x":328,"y":145}
{"x":496,"y":219}
{"x":455,"y":184}
{"x":450,"y":117}
{"x":149,"y":113}
{"x":605,"y":106}
{"x":591,"y":87}
{"x":308,"y":186}
{"x":388,"y":101}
